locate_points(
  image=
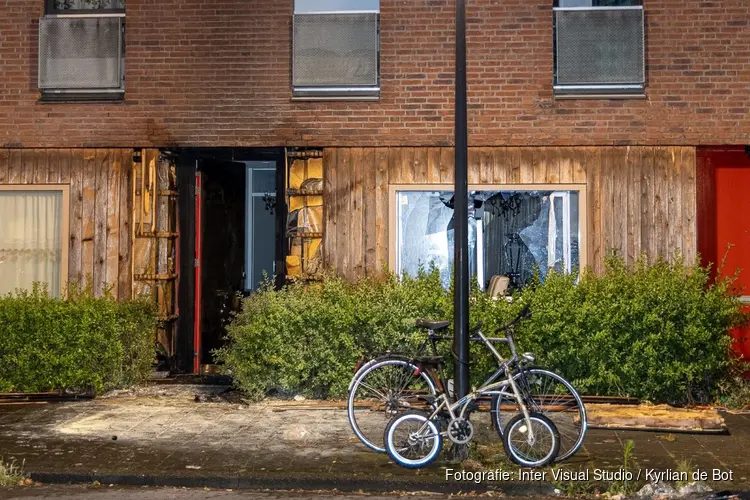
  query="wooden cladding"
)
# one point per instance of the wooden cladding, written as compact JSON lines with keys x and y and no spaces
{"x":99,"y":242}
{"x":639,"y":199}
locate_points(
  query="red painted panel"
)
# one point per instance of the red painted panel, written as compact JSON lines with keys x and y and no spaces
{"x":732,"y":223}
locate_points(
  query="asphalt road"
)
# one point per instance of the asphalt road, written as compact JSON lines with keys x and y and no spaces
{"x":115,"y":493}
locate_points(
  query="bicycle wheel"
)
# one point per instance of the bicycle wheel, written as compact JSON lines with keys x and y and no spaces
{"x":382,"y":390}
{"x":551,"y":395}
{"x":531,"y":449}
{"x":412,"y":440}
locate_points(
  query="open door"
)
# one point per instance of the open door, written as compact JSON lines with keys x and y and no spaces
{"x":220,"y":272}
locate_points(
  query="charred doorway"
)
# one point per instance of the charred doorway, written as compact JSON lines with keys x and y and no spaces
{"x":233,"y":228}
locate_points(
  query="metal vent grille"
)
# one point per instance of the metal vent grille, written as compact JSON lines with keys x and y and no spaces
{"x":335,"y":50}
{"x":600,"y":46}
{"x":80,"y":52}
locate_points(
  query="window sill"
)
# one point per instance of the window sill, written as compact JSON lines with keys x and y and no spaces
{"x":82,"y":97}
{"x":599,"y":92}
{"x":368,"y":94}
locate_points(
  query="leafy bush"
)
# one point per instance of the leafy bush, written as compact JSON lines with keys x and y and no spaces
{"x":80,"y":342}
{"x":655,"y":332}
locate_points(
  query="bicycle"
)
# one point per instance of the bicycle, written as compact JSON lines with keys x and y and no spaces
{"x":530,"y":438}
{"x":391,"y":384}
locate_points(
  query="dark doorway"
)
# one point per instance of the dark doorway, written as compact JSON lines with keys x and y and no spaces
{"x":222,"y":253}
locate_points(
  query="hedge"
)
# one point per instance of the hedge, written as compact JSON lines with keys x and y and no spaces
{"x":654,"y":332}
{"x":80,"y":342}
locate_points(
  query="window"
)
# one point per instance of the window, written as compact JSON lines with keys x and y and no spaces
{"x":513,"y":230}
{"x":82,"y":50}
{"x":599,"y":47}
{"x":33,"y":231}
{"x":335,"y":49}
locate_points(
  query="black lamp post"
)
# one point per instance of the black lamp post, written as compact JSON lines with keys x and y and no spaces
{"x":461,"y":214}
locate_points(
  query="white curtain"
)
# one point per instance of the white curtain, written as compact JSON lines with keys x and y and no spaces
{"x":30,"y":240}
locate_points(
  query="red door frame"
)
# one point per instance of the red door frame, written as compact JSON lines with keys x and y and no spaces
{"x":198,"y":277}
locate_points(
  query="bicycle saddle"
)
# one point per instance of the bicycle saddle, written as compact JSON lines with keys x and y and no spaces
{"x":433,"y":325}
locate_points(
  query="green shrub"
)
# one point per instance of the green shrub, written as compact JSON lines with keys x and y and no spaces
{"x":80,"y":342}
{"x":655,"y":332}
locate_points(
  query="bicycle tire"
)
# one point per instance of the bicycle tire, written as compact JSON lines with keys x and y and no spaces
{"x":570,"y":419}
{"x":434,"y":442}
{"x":369,"y":430}
{"x":546,"y":434}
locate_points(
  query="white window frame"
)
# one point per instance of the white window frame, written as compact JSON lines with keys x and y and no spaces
{"x":395,"y":232}
{"x":64,"y":189}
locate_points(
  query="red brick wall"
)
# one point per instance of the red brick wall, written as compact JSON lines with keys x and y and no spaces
{"x":216,"y":73}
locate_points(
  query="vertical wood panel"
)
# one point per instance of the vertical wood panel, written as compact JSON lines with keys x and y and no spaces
{"x":395,"y":165}
{"x":369,"y":195}
{"x":661,"y":200}
{"x":526,"y":166}
{"x":648,"y":243}
{"x":607,"y":201}
{"x":447,"y":161}
{"x":689,"y":204}
{"x":475,"y":159}
{"x":356,"y":215}
{"x":674,"y":211}
{"x":15,"y":162}
{"x":486,"y":166}
{"x":565,"y":163}
{"x":330,"y":211}
{"x":102,"y":166}
{"x":501,"y":170}
{"x":344,"y":181}
{"x":28,"y":166}
{"x":113,"y":223}
{"x":620,"y":191}
{"x":593,"y":170}
{"x":407,"y":166}
{"x":42,"y":165}
{"x":89,"y":224}
{"x":381,"y":208}
{"x":420,"y":165}
{"x":579,"y":168}
{"x":539,"y":165}
{"x":4,"y":164}
{"x":634,"y":162}
{"x":433,"y":166}
{"x":552,"y":160}
{"x":75,"y":254}
{"x":125,"y":198}
{"x":515,"y":157}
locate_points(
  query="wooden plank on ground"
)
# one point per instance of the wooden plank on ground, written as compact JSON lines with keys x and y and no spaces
{"x":381,"y":209}
{"x":659,"y":417}
{"x":125,"y":199}
{"x":689,"y":205}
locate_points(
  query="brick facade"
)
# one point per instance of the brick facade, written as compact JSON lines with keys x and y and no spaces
{"x":216,"y":73}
